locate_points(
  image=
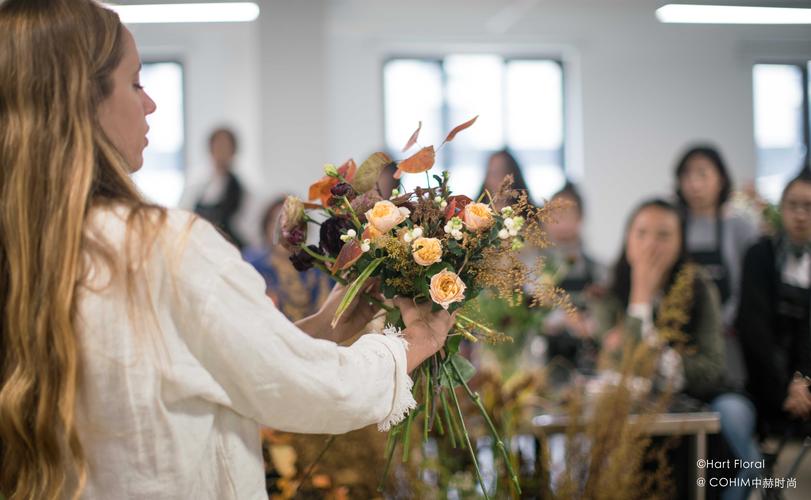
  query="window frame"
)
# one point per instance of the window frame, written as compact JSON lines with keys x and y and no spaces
{"x":446,"y":158}
{"x":184,"y":154}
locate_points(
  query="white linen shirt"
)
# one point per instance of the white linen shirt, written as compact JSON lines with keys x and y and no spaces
{"x":171,"y":397}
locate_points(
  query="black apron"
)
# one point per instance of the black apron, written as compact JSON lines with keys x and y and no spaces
{"x":581,"y":353}
{"x":793,"y":316}
{"x":713,"y":263}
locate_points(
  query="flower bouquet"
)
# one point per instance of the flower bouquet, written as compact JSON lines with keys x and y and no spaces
{"x":429,"y":245}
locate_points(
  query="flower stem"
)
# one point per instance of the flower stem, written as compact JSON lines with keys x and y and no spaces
{"x":365,"y":296}
{"x":310,"y":469}
{"x":466,"y":435}
{"x":316,"y":256}
{"x":353,"y":214}
{"x":391,"y":445}
{"x":407,"y":438}
{"x":474,"y":323}
{"x":448,"y":421}
{"x":474,"y":396}
{"x":427,"y":395}
{"x":466,"y":334}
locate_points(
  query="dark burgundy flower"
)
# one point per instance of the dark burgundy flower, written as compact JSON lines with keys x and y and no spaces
{"x":303,"y":261}
{"x":296,"y":236}
{"x":331,"y":231}
{"x":343,"y":189}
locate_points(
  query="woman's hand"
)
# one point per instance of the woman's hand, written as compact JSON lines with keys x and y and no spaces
{"x":647,"y":275}
{"x":425,"y":330}
{"x":798,"y":401}
{"x":360,"y":312}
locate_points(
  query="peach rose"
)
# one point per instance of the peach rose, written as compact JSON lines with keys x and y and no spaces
{"x":371,"y":233}
{"x":427,"y":251}
{"x":447,"y":288}
{"x":477,"y":216}
{"x":385,"y":215}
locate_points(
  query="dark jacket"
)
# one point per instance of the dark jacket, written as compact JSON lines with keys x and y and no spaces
{"x":221,"y":213}
{"x":704,"y":359}
{"x":772,"y":355}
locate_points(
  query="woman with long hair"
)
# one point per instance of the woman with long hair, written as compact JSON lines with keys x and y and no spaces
{"x":716,"y":238}
{"x":139,"y":353}
{"x":660,"y":297}
{"x":501,"y":164}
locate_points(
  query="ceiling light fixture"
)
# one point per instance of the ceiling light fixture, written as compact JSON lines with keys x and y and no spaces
{"x":235,"y":12}
{"x":730,"y":14}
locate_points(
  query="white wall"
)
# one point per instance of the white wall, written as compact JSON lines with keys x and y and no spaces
{"x":305,"y":84}
{"x":638,"y":90}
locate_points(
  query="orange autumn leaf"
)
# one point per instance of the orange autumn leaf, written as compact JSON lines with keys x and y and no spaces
{"x":349,"y":254}
{"x":459,"y":128}
{"x":413,"y":139}
{"x":421,"y":161}
{"x":320,"y":189}
{"x":348,"y":169}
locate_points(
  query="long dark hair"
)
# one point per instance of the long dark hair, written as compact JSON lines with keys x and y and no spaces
{"x":513,"y":168}
{"x":712,"y":154}
{"x":621,"y":283}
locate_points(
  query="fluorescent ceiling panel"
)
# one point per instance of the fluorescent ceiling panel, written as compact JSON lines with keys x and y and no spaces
{"x":235,"y":12}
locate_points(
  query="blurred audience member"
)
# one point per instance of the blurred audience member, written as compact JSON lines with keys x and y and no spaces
{"x":651,"y":261}
{"x":296,"y":294}
{"x":222,"y":195}
{"x":570,"y":335}
{"x":500,"y":165}
{"x":717,"y":238}
{"x":386,"y":183}
{"x":648,"y":271}
{"x":773,"y":320}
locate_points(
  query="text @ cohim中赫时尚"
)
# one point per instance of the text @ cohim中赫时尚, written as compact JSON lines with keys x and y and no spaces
{"x":733,"y":466}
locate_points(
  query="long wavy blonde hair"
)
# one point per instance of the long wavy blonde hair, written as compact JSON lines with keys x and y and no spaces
{"x":56,"y":164}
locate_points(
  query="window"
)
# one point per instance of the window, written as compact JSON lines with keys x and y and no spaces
{"x":781,"y":124}
{"x":162,"y":176}
{"x":520,"y":106}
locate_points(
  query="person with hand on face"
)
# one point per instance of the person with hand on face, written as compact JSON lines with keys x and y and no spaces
{"x":716,"y":238}
{"x":647,"y":271}
{"x":774,"y":319}
{"x":140,"y":353}
{"x":652,"y":258}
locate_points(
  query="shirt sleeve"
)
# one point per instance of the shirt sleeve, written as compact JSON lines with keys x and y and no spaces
{"x":704,"y":362}
{"x":268,"y":369}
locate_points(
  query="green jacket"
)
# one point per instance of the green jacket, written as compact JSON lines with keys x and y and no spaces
{"x":703,"y":360}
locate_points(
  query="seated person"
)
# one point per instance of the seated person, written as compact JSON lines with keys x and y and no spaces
{"x":569,"y":335}
{"x":296,"y":294}
{"x":651,"y":262}
{"x":656,"y":289}
{"x":773,"y":319}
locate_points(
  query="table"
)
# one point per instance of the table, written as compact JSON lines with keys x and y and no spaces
{"x":698,"y":424}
